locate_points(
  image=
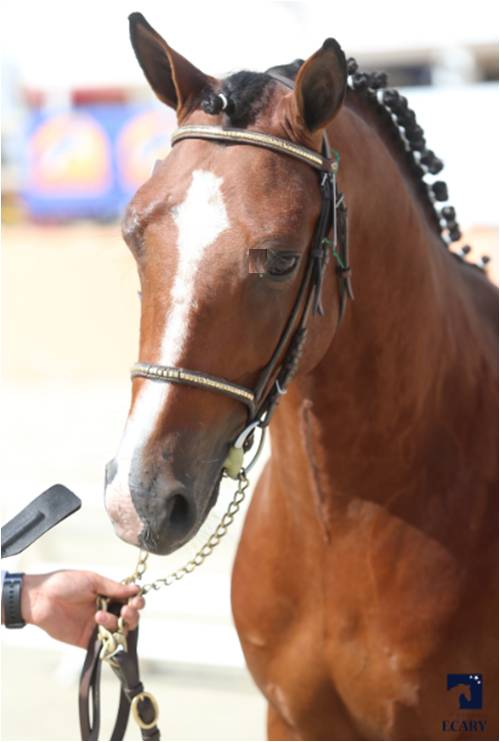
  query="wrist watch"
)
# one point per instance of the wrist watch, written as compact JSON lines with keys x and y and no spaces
{"x":11,"y":600}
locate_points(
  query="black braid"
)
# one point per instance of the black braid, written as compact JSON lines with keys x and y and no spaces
{"x":212,"y":103}
{"x":422,"y":162}
{"x":246,"y":94}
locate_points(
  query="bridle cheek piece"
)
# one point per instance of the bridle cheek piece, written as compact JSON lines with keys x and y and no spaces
{"x":282,"y":366}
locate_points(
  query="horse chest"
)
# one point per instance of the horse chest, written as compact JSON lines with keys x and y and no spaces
{"x":343,"y":643}
{"x":324,"y":672}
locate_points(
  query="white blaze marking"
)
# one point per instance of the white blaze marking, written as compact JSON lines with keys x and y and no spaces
{"x":200,"y":219}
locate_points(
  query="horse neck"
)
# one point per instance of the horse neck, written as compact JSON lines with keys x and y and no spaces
{"x":386,"y":414}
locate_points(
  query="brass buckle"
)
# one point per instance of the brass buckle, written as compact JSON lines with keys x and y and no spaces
{"x":112,"y":641}
{"x":135,"y":711}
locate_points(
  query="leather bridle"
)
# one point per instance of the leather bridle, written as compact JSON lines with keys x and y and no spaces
{"x":275,"y":377}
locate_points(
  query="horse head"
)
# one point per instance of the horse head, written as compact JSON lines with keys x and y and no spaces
{"x":221,"y":235}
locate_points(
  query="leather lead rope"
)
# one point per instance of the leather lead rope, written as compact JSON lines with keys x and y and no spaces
{"x":125,"y":665}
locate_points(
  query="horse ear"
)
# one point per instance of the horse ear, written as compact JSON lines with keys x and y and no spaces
{"x":176,"y":82}
{"x":321,"y":85}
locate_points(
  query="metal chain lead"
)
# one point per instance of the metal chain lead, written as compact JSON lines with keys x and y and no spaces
{"x":200,"y":555}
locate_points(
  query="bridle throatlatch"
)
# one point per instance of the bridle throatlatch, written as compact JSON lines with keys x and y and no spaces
{"x":329,"y":241}
{"x":118,"y":648}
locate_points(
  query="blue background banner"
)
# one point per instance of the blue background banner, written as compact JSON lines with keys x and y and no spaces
{"x":88,"y":161}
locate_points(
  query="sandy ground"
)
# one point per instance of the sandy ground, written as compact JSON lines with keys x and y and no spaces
{"x":69,"y":335}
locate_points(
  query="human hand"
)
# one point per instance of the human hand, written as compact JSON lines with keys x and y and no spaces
{"x":63,"y":604}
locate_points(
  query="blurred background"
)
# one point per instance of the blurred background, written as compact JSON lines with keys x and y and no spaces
{"x":80,"y":132}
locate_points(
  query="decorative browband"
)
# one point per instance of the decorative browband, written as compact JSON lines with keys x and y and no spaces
{"x":193,"y":378}
{"x":269,"y":141}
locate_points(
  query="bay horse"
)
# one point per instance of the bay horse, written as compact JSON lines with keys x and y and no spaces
{"x":367,"y":568}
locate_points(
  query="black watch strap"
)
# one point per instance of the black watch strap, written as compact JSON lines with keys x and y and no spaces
{"x":11,"y":600}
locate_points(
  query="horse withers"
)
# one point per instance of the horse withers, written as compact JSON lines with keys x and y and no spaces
{"x":366,"y":574}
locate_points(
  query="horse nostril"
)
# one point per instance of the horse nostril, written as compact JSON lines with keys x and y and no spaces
{"x":177,"y":509}
{"x":179,"y":516}
{"x":169,"y":516}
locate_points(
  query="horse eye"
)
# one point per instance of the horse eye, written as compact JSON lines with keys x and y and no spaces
{"x":281,"y":263}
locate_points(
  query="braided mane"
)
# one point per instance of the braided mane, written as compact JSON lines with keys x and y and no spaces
{"x":246,"y":94}
{"x":421,"y":161}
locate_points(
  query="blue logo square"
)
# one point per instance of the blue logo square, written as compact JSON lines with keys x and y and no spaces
{"x":474,"y":684}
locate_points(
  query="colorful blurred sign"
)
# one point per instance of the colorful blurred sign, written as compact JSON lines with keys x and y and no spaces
{"x":89,"y":161}
{"x":143,"y":139}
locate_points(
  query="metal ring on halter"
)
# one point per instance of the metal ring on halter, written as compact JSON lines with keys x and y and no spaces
{"x":240,"y":440}
{"x":257,"y":452}
{"x":243,"y":436}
